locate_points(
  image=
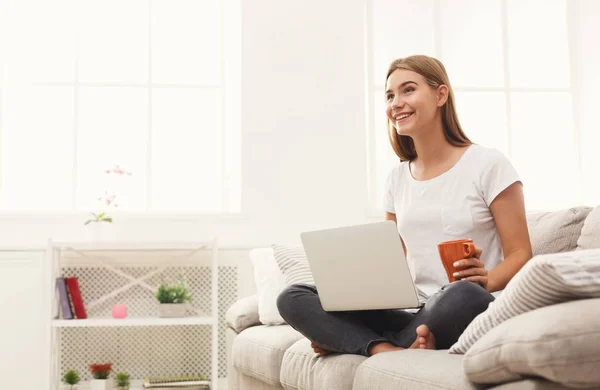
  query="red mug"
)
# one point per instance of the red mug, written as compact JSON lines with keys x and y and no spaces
{"x":452,"y":251}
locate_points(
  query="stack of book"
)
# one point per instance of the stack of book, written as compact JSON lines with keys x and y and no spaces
{"x":188,"y":382}
{"x":70,"y":298}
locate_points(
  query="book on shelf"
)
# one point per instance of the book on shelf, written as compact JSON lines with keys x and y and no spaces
{"x":187,"y":382}
{"x":63,"y":298}
{"x":181,"y":386}
{"x":73,"y":285}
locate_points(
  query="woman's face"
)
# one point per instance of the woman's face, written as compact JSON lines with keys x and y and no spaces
{"x":411,"y":104}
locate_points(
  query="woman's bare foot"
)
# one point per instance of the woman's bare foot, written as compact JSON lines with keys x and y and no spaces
{"x":425,"y":339}
{"x":318,"y":350}
{"x":383,"y":347}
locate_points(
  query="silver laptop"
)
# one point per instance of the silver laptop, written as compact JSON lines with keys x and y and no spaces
{"x":360,"y":267}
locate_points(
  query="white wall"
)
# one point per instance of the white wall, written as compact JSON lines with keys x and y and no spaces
{"x":303,"y":129}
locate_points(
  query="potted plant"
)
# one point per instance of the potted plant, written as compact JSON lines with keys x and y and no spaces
{"x":100,"y":372}
{"x":99,"y":225}
{"x":122,"y":381}
{"x":71,"y":378}
{"x":173,"y":299}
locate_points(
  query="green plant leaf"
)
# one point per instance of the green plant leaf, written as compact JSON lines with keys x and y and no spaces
{"x":71,"y":377}
{"x":122,"y":379}
{"x":173,"y":293}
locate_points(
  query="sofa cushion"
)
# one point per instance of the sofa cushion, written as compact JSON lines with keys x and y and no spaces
{"x":558,"y":231}
{"x":545,"y":280}
{"x":559,"y":343}
{"x":258,"y":351}
{"x":590,"y":233}
{"x":412,"y":369}
{"x":243,"y":314}
{"x":302,"y":369}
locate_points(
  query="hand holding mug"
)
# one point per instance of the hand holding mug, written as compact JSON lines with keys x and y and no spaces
{"x":472,"y":269}
{"x":461,"y":260}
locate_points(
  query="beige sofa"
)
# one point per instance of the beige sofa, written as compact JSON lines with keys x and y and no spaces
{"x":275,"y":357}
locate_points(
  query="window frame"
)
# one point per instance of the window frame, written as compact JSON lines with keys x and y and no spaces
{"x":229,"y":86}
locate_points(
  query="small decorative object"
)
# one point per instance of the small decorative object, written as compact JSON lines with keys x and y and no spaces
{"x":119,"y":311}
{"x":100,"y":217}
{"x":173,"y":299}
{"x":122,"y":381}
{"x":71,"y":378}
{"x":99,"y":226}
{"x":100,"y":372}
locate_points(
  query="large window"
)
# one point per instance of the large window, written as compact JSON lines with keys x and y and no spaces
{"x":517,"y":70}
{"x":145,"y":88}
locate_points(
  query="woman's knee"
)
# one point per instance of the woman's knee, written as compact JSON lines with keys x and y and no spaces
{"x":467,"y":293}
{"x":287,"y":299}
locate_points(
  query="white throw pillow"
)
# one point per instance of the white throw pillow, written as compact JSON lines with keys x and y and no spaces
{"x":293,"y":264}
{"x":545,"y":280}
{"x":269,"y":283}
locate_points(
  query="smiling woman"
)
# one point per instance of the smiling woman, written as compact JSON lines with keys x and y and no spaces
{"x":445,"y":188}
{"x":411,"y":105}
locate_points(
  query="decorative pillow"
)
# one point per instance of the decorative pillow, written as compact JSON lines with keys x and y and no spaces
{"x":293,"y":264}
{"x":269,"y":283}
{"x":545,"y":280}
{"x":557,"y":231}
{"x":590,"y":233}
{"x":558,"y":342}
{"x":243,"y":314}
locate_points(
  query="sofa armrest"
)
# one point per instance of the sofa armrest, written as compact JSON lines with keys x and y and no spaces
{"x":243,"y":314}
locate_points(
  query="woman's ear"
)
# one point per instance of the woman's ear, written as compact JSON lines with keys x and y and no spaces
{"x":442,"y":95}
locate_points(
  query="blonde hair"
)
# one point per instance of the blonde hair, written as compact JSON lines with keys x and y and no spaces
{"x":435,"y":74}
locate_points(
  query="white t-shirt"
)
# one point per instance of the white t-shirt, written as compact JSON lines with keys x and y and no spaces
{"x":451,"y":206}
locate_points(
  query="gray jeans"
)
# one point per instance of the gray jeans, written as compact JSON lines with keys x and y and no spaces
{"x":447,"y":314}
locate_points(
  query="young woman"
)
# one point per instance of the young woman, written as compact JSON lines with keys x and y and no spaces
{"x":444,"y":188}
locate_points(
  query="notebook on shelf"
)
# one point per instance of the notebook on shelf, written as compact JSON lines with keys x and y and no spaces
{"x":179,"y":386}
{"x":187,"y":382}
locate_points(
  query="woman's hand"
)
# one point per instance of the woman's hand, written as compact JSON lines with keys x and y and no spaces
{"x":472,"y":269}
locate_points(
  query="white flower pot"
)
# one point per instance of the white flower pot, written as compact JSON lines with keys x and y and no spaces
{"x":100,"y":384}
{"x":172,"y":310}
{"x":99,"y":231}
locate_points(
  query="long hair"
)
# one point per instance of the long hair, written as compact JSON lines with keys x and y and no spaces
{"x":435,"y":74}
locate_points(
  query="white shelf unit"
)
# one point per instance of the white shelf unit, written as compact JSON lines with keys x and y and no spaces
{"x":55,"y":251}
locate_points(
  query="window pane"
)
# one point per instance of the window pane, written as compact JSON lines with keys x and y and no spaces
{"x":187,"y":150}
{"x":385,"y":158}
{"x":400,"y":28}
{"x":186,"y":43}
{"x":233,"y":120}
{"x":538,"y":48}
{"x":544,"y":151}
{"x":482,"y":116}
{"x":471,"y":35}
{"x":37,"y":149}
{"x":589,"y":63}
{"x":55,"y":41}
{"x":113,"y":128}
{"x":113,"y":41}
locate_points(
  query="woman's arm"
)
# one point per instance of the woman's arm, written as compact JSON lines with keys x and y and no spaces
{"x":392,"y":217}
{"x":508,"y":209}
